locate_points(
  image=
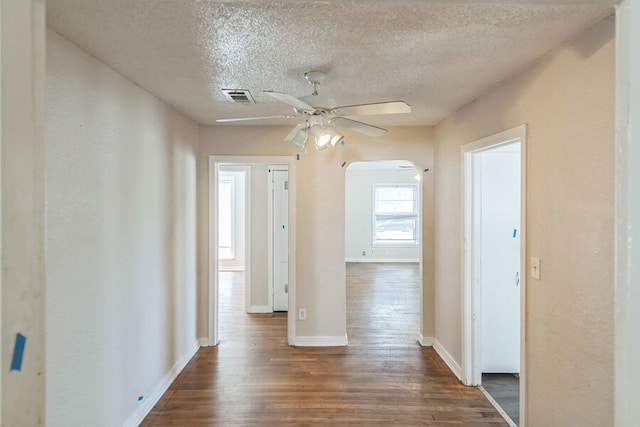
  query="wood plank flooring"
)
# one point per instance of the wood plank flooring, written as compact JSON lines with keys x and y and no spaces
{"x":505,"y":390}
{"x":382,"y":378}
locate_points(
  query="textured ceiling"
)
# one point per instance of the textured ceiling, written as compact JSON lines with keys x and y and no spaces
{"x":436,"y":57}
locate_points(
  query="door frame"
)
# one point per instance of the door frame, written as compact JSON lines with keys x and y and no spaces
{"x":212,"y":272}
{"x":627,"y":272}
{"x":471,"y":372}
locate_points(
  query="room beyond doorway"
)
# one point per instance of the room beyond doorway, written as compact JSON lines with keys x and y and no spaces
{"x":383,"y":226}
{"x":259,"y":259}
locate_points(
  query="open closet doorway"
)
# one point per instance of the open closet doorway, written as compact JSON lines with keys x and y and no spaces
{"x":383,"y":251}
{"x":250,"y":241}
{"x":493,"y":261}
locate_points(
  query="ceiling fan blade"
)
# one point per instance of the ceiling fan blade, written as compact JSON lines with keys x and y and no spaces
{"x":288,"y":99}
{"x":364,"y":128}
{"x":243,"y":119}
{"x":391,"y":107}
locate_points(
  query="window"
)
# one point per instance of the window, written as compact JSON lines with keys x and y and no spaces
{"x":395,"y":214}
{"x":226,"y":240}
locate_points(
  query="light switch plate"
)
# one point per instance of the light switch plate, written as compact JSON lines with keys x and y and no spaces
{"x":535,"y":268}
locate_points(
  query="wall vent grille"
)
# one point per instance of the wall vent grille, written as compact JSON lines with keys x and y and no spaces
{"x":239,"y":96}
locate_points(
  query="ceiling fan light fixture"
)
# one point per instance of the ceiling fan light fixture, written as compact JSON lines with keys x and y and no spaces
{"x":321,"y":136}
{"x":300,"y":139}
{"x":336,"y":138}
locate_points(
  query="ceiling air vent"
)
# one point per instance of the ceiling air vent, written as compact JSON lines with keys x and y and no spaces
{"x":239,"y":96}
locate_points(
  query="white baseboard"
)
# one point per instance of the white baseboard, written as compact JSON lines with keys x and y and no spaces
{"x":378,"y":260}
{"x":320,"y":341}
{"x":230,"y":268}
{"x":425,"y":341}
{"x":203,"y":342}
{"x":260,"y":309}
{"x":148,"y":402}
{"x":448,"y":359}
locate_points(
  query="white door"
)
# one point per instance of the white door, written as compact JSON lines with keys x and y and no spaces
{"x":280,"y":225}
{"x":499,"y":273}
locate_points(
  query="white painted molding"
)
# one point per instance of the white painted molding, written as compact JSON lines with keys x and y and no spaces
{"x":425,"y":341}
{"x":203,"y":342}
{"x":378,"y":260}
{"x":230,"y":268}
{"x":150,"y":401}
{"x":321,"y":341}
{"x":256,"y":309}
{"x":448,"y":359}
{"x":627,"y":271}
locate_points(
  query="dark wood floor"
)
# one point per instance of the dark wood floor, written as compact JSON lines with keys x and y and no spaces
{"x":382,"y":378}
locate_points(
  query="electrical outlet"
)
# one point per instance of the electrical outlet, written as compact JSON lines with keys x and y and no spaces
{"x":302,"y":314}
{"x":535,"y":268}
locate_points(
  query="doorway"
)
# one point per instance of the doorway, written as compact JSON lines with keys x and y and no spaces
{"x":269,"y":253}
{"x":383,"y":249}
{"x":233,"y":251}
{"x":493,"y":352}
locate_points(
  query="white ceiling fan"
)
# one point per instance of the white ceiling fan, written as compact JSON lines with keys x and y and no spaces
{"x":320,"y":112}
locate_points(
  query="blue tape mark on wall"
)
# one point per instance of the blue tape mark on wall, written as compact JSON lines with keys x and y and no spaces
{"x":344,"y":164}
{"x":342,"y":143}
{"x":426,"y":170}
{"x":140,"y":398}
{"x":18,"y":352}
{"x":515,"y":232}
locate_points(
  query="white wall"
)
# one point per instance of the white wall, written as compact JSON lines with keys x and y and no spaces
{"x":121,"y":242}
{"x":627,"y":347}
{"x":238,"y":174}
{"x":567,"y":99}
{"x":23,"y":288}
{"x":359,"y":216}
{"x":320,"y":207}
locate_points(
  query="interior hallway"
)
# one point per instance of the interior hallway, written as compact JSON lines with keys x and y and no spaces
{"x":382,"y":378}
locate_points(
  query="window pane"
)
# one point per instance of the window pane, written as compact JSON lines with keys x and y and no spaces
{"x":395,"y":213}
{"x":394,"y":193}
{"x":400,"y":228}
{"x":391,"y":207}
{"x":225,"y":223}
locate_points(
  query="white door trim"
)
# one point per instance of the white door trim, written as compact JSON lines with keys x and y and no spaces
{"x":471,"y":374}
{"x":247,"y":238}
{"x":212,"y":194}
{"x":627,"y":272}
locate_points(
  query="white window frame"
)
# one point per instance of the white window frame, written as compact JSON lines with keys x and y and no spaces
{"x":232,"y":208}
{"x":396,"y":243}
